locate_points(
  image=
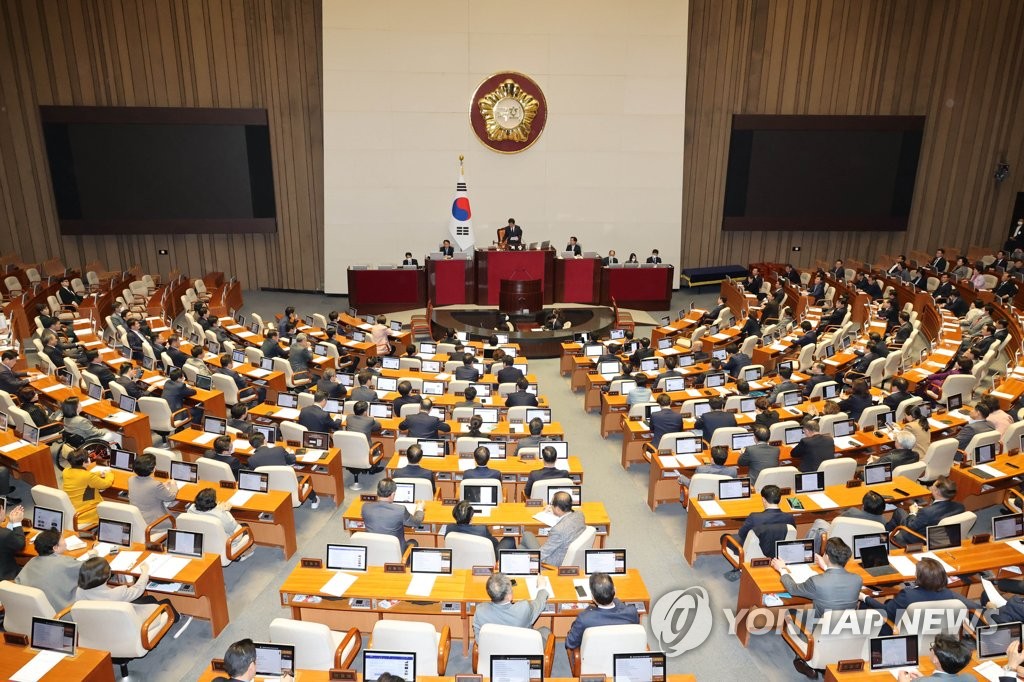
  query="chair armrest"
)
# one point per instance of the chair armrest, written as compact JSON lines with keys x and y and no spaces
{"x":82,"y":526}
{"x":574,"y":660}
{"x":443,"y":649}
{"x":305,"y":483}
{"x":229,"y":543}
{"x":182,"y":414}
{"x":247,"y":394}
{"x":476,"y":655}
{"x":150,"y":527}
{"x":301,"y":378}
{"x":789,"y":619}
{"x":342,"y":661}
{"x":63,"y":612}
{"x":407,"y":553}
{"x":727,"y":540}
{"x":147,"y":644}
{"x":549,"y":655}
{"x":1013,"y":500}
{"x":649,"y":450}
{"x":897,"y":529}
{"x":376,"y":453}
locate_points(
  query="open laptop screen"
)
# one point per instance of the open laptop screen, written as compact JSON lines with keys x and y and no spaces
{"x":185,"y":543}
{"x":517,"y":668}
{"x":274,"y":659}
{"x":993,"y":641}
{"x":898,"y":651}
{"x":646,"y":666}
{"x":54,"y":635}
{"x":795,"y":551}
{"x":943,"y":537}
{"x":114,"y":532}
{"x":610,"y":561}
{"x":346,"y":557}
{"x":519,"y":561}
{"x":431,"y":560}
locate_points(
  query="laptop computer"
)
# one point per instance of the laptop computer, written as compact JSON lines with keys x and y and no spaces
{"x":829,"y":391}
{"x":519,"y":561}
{"x":542,"y":413}
{"x":316,"y":440}
{"x":54,"y":635}
{"x":215,"y":425}
{"x":185,"y":543}
{"x":994,"y":640}
{"x":433,"y":447}
{"x":389,"y":362}
{"x":734,"y":489}
{"x":517,"y":668}
{"x":346,"y":557}
{"x":795,"y":551}
{"x":273,"y":660}
{"x":741,"y":441}
{"x":872,"y":550}
{"x":495,"y":449}
{"x":752,"y":373}
{"x":431,"y":560}
{"x":185,"y":472}
{"x":122,"y":459}
{"x":673,"y":384}
{"x":794,"y":434}
{"x":943,"y":537}
{"x":405,"y":494}
{"x":700,"y":408}
{"x":254,"y":482}
{"x":482,"y":497}
{"x":810,"y":482}
{"x":269,"y":433}
{"x":575,"y":492}
{"x":897,"y":651}
{"x":126,"y":403}
{"x":47,"y":519}
{"x":879,"y":472}
{"x":714,"y":379}
{"x":114,"y":532}
{"x":382,"y":410}
{"x":1007,"y":526}
{"x":204,"y":382}
{"x":645,"y":666}
{"x":400,"y":663}
{"x":610,"y":561}
{"x":432,"y":388}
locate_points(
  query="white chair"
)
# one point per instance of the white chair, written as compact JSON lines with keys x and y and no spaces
{"x":357,"y":454}
{"x":944,"y":617}
{"x":253,"y":356}
{"x":839,"y":470}
{"x":845,"y":528}
{"x":21,"y":604}
{"x":456,"y":386}
{"x":54,"y":498}
{"x":284,"y":478}
{"x":1011,"y":437}
{"x":723,"y":436}
{"x":575,"y":552}
{"x":215,"y":539}
{"x":292,"y":432}
{"x":777,"y":431}
{"x":291,"y":379}
{"x":430,"y":646}
{"x":164,"y":457}
{"x":482,"y":483}
{"x":213,"y":470}
{"x":540,"y":488}
{"x":911,"y":471}
{"x":600,"y":644}
{"x":517,"y":414}
{"x":497,"y":640}
{"x":938,"y":458}
{"x":462,"y":414}
{"x":904,"y":407}
{"x":703,"y":483}
{"x":409,"y":363}
{"x":668,"y":441}
{"x":958,"y":384}
{"x":826,"y":422}
{"x":869,"y":417}
{"x":422,"y":489}
{"x":128,"y":631}
{"x":161,"y":420}
{"x":408,"y":409}
{"x":470,"y":550}
{"x":464,"y":445}
{"x":782,"y":476}
{"x":380,"y":548}
{"x":141,"y":532}
{"x":978,"y":440}
{"x":317,"y":647}
{"x":510,"y":387}
{"x":838,"y":635}
{"x":965,"y":520}
{"x":227,"y":386}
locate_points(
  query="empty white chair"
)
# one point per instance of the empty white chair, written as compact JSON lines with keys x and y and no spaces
{"x":575,"y":552}
{"x":497,"y":640}
{"x":836,"y":636}
{"x":54,"y":498}
{"x":600,"y":644}
{"x":317,"y":647}
{"x":869,"y":417}
{"x":161,"y":420}
{"x":912,"y":471}
{"x":215,"y":539}
{"x":846,"y":527}
{"x":938,"y":458}
{"x":430,"y":646}
{"x":141,"y":532}
{"x":978,"y":440}
{"x":164,"y":457}
{"x":380,"y":548}
{"x":292,"y":432}
{"x":826,"y":422}
{"x":470,"y":550}
{"x":782,"y":476}
{"x":540,"y":488}
{"x":838,"y":471}
{"x":21,"y":604}
{"x":284,"y":478}
{"x":213,"y":470}
{"x":723,"y":435}
{"x":357,"y":454}
{"x":704,"y":483}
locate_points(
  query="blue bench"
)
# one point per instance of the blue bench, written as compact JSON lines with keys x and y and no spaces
{"x":699,"y":277}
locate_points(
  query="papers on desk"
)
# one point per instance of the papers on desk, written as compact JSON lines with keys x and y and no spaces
{"x":546,"y":517}
{"x":779,"y":346}
{"x":895,"y":672}
{"x":259,"y":372}
{"x":990,"y":670}
{"x":443,"y":376}
{"x":241,"y":445}
{"x":822,"y":500}
{"x":338,"y":583}
{"x":205,"y":438}
{"x":74,"y":543}
{"x":125,"y":560}
{"x":466,"y":463}
{"x":944,"y":352}
{"x":87,"y":402}
{"x":36,"y":669}
{"x":240,"y":498}
{"x":711,"y":508}
{"x":54,"y":388}
{"x":120,"y":417}
{"x":802,"y":572}
{"x":667,"y":330}
{"x":164,"y":566}
{"x":92,"y":344}
{"x":668,"y":461}
{"x":1004,"y":396}
{"x":990,"y":470}
{"x":101,"y":549}
{"x":719,"y":337}
{"x":10,"y":447}
{"x":287,"y":413}
{"x":245,"y":335}
{"x":936,"y":424}
{"x":535,"y":584}
{"x":830,"y":361}
{"x":1017,"y":545}
{"x":311,"y":455}
{"x":421,"y":585}
{"x":904,"y":565}
{"x":846,"y":442}
{"x":932,"y":555}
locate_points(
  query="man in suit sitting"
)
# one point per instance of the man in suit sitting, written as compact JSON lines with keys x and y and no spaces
{"x":174,"y":352}
{"x":736,"y":360}
{"x":481,"y":471}
{"x":501,"y":610}
{"x":899,"y":393}
{"x":786,"y":383}
{"x":388,"y":518}
{"x":98,"y":368}
{"x":271,"y":347}
{"x":943,"y":492}
{"x":550,"y":457}
{"x":423,"y":424}
{"x":771,"y":495}
{"x":606,"y":610}
{"x":315,"y":418}
{"x":404,"y":398}
{"x":467,"y":372}
{"x":665,"y":420}
{"x":904,"y":329}
{"x":817,"y":290}
{"x":714,"y":419}
{"x":447,"y":250}
{"x":760,"y":455}
{"x":414,"y":453}
{"x":240,"y":663}
{"x":978,"y":423}
{"x":610,"y":258}
{"x":513,"y":234}
{"x":939,"y":263}
{"x":363,"y":390}
{"x":409,"y":260}
{"x":834,"y":589}
{"x":569,"y":527}
{"x":808,"y":336}
{"x":463,"y":513}
{"x":950,"y":656}
{"x":521,"y":396}
{"x":509,"y":374}
{"x":361,"y":422}
{"x":574,"y":246}
{"x":654,"y":257}
{"x":814,"y":448}
{"x":536,"y":428}
{"x":818,"y":376}
{"x":221,"y":452}
{"x":268,"y":455}
{"x":329,"y":386}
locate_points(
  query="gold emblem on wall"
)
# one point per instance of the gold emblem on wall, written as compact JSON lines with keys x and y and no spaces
{"x":508,"y":112}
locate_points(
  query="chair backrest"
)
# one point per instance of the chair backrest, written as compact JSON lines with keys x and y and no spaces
{"x":912,"y":471}
{"x":869,"y":417}
{"x":21,"y":603}
{"x":226,"y":385}
{"x":380,"y":548}
{"x":495,"y":640}
{"x":456,"y":385}
{"x":668,"y":441}
{"x":314,"y":645}
{"x":979,"y":439}
{"x":826,"y":423}
{"x":958,"y":384}
{"x":944,"y":617}
{"x":600,"y":644}
{"x":540,"y":488}
{"x":904,"y":406}
{"x":705,"y":483}
{"x":470,"y":550}
{"x":845,"y":528}
{"x":965,"y":520}
{"x":637,"y":410}
{"x":409,"y":409}
{"x":463,"y":444}
{"x":843,"y":635}
{"x":723,"y":435}
{"x":584,"y":541}
{"x":481,"y":483}
{"x":400,"y":635}
{"x":518,"y":413}
{"x":409,"y":363}
{"x":292,"y":431}
{"x":124,"y":513}
{"x":158,"y":411}
{"x":355,"y":450}
{"x":838,"y":471}
{"x":282,"y":478}
{"x":752,"y":545}
{"x":112,"y":626}
{"x":777,"y":431}
{"x":509,"y":387}
{"x":1011,"y":436}
{"x":305,"y":399}
{"x":938,"y":458}
{"x":422,"y":490}
{"x":783,"y":476}
{"x":213,"y":470}
{"x":214,"y":536}
{"x":54,"y":498}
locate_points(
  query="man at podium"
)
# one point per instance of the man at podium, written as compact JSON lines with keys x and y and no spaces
{"x":514,"y":234}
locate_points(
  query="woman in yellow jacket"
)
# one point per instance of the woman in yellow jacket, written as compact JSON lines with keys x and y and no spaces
{"x":79,"y":482}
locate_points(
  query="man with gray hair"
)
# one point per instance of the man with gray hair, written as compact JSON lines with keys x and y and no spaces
{"x":502,"y":611}
{"x":388,"y":518}
{"x":902,"y":454}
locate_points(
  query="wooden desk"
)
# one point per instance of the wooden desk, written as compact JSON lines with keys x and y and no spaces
{"x":981,"y":491}
{"x":507,"y":519}
{"x":514,"y":473}
{"x":137,"y":435}
{"x":88,"y":665}
{"x":323,"y":676}
{"x":925,"y":665}
{"x":30,"y":462}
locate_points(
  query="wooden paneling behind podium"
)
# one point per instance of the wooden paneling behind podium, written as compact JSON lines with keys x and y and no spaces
{"x":209,"y":53}
{"x":958,"y":63}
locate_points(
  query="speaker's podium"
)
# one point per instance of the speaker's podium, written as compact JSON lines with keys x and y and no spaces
{"x":451,"y":281}
{"x":530,"y":275}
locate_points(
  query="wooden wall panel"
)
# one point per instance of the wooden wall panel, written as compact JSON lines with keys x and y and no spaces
{"x":201,"y":53}
{"x":958,"y":63}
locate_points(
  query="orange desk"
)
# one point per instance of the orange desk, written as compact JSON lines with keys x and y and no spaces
{"x":88,"y":665}
{"x":31,"y":462}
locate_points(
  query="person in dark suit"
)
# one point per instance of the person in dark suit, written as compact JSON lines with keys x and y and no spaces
{"x":404,"y":398}
{"x":984,"y":342}
{"x":300,"y":357}
{"x":271,"y":346}
{"x":12,"y":541}
{"x":574,"y":246}
{"x":736,"y":361}
{"x":611,"y":355}
{"x":536,"y":429}
{"x":753,"y":282}
{"x":714,"y":419}
{"x":858,"y":400}
{"x":240,"y":663}
{"x":482,"y":456}
{"x":817,"y":376}
{"x":363,"y":390}
{"x":130,"y":378}
{"x":898,"y":267}
{"x":550,"y":457}
{"x":817,"y":290}
{"x":760,"y":455}
{"x":654,"y":257}
{"x":899,"y":393}
{"x":838,"y":270}
{"x":1007,"y":287}
{"x":814,"y":448}
{"x":665,"y":420}
{"x":315,"y":418}
{"x":671,"y":362}
{"x":771,"y":495}
{"x":238,"y":421}
{"x":513,"y":233}
{"x":467,"y":372}
{"x":751,"y":326}
{"x":808,"y":336}
{"x":51,"y":350}
{"x":174,"y":352}
{"x":409,"y":260}
{"x":329,"y":386}
{"x":903,"y":330}
{"x":945,"y":288}
{"x":835,"y":318}
{"x":135,"y":339}
{"x":766,"y":415}
{"x":99,"y":369}
{"x":521,"y":396}
{"x":423,"y":424}
{"x":226,"y":368}
{"x":610,"y":258}
{"x":463,"y":513}
{"x":930,"y":585}
{"x":414,"y":454}
{"x":509,"y":374}
{"x":955,"y":304}
{"x":939,"y":263}
{"x":264,"y":454}
{"x":606,"y":610}
{"x":361,"y":422}
{"x":388,"y":518}
{"x":785,"y":384}
{"x":919,"y":518}
{"x":902,"y":454}
{"x":977,"y":423}
{"x":643,"y":352}
{"x":175,"y":391}
{"x":447,"y":250}
{"x":917,"y":279}
{"x":792,"y":274}
{"x":221,"y":452}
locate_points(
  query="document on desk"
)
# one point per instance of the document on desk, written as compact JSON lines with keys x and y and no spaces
{"x":822,"y":500}
{"x":74,"y":543}
{"x":205,"y":438}
{"x":10,"y":447}
{"x":1017,"y":545}
{"x":164,"y":566}
{"x":87,"y":402}
{"x":259,"y":372}
{"x":990,"y":470}
{"x":240,"y":498}
{"x":990,"y":670}
{"x":668,"y":461}
{"x":311,"y":455}
{"x":932,"y":555}
{"x":120,"y":417}
{"x":36,"y":669}
{"x":711,"y":508}
{"x":338,"y":583}
{"x":125,"y":560}
{"x":287,"y":413}
{"x":54,"y":388}
{"x":688,"y":459}
{"x":802,"y":572}
{"x":546,"y":517}
{"x":421,"y":585}
{"x":466,"y":463}
{"x":535,"y":584}
{"x":246,"y":335}
{"x":904,"y":565}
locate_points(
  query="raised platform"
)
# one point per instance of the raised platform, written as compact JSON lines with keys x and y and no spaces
{"x":701,"y":277}
{"x":479,"y":323}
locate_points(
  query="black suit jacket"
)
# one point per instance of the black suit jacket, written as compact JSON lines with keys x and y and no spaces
{"x":653,"y":259}
{"x":332,"y":388}
{"x":606,"y":260}
{"x":423,"y":425}
{"x":175,"y":392}
{"x":270,"y":455}
{"x":177,"y":356}
{"x":514,"y":234}
{"x":711,"y":421}
{"x":932,"y":514}
{"x":811,"y":451}
{"x":939,"y":264}
{"x":409,"y":261}
{"x":10,"y":380}
{"x":314,"y":418}
{"x":763,"y":518}
{"x":575,"y":248}
{"x":664,"y":421}
{"x":12,"y":542}
{"x":473,"y":529}
{"x":447,"y":252}
{"x":509,"y":375}
{"x":518,"y":398}
{"x":414,"y":471}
